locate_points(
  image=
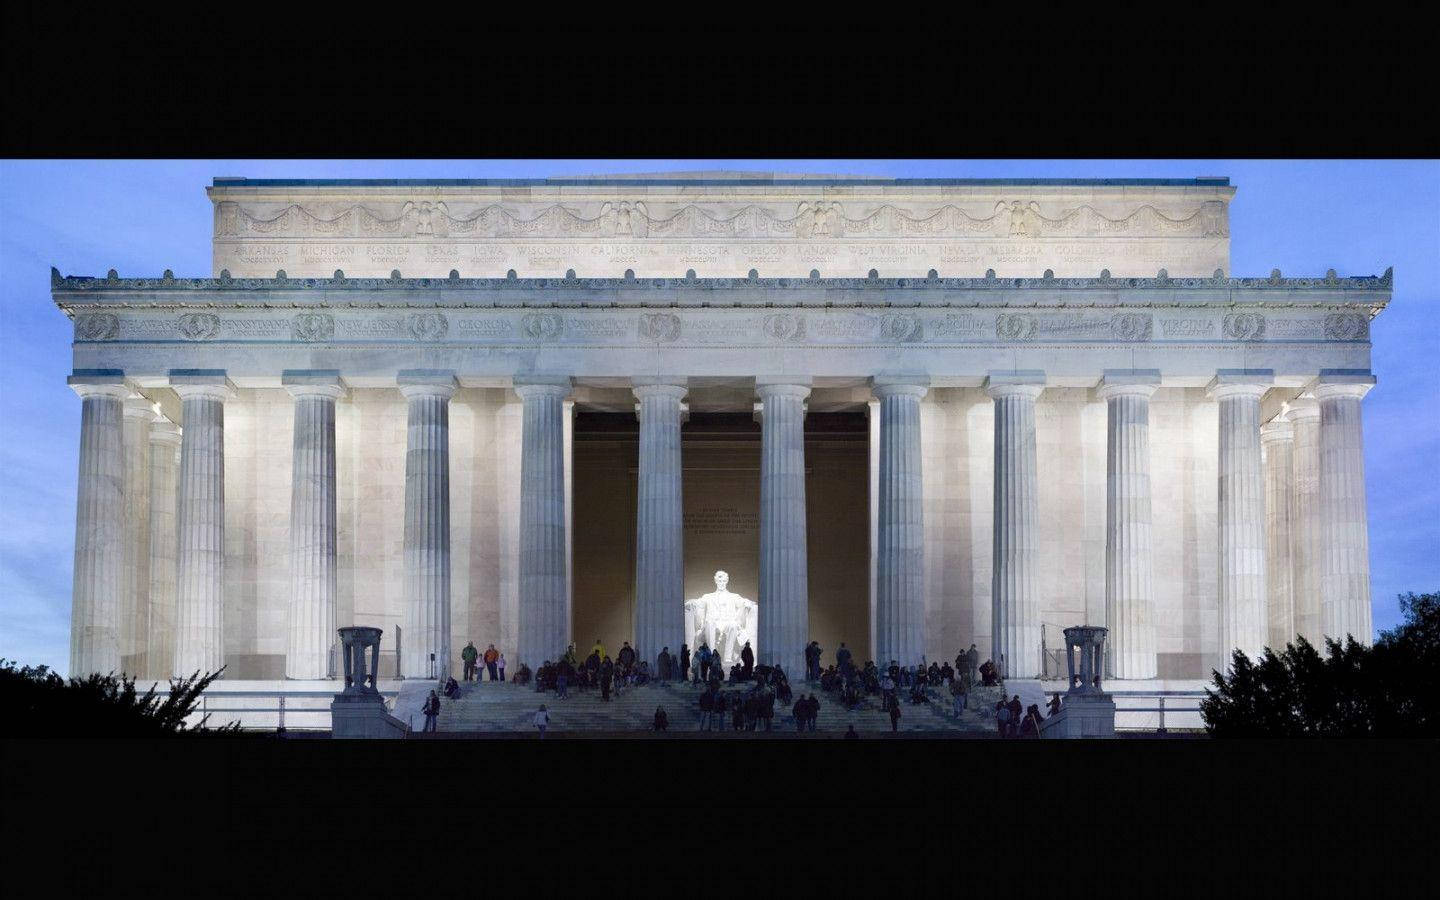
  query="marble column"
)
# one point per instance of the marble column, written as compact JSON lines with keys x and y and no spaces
{"x":426,"y":628}
{"x":99,"y":525}
{"x":659,"y":523}
{"x":543,"y":592}
{"x":872,"y":409}
{"x":1241,"y":485}
{"x":313,"y":572}
{"x":1307,"y":537}
{"x":1129,"y":591}
{"x":164,"y":475}
{"x":1345,"y":572}
{"x":1277,"y":444}
{"x":200,"y":556}
{"x":900,"y":545}
{"x":135,"y":583}
{"x":784,"y":567}
{"x":1014,"y":604}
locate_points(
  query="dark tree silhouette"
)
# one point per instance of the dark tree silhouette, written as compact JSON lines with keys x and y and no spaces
{"x":1386,"y":690}
{"x":39,"y":703}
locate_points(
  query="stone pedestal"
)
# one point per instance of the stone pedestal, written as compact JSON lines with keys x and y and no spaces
{"x":1088,"y":712}
{"x":543,"y":591}
{"x":1129,"y":595}
{"x":359,"y":711}
{"x":313,"y":569}
{"x":900,"y":542}
{"x":1243,"y":624}
{"x":1015,"y":609}
{"x":784,"y":568}
{"x":427,"y":524}
{"x":200,"y":559}
{"x":1345,"y":575}
{"x":660,"y":526}
{"x":99,"y":525}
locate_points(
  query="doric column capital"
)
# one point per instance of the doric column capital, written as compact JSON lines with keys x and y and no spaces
{"x":657,"y":386}
{"x":137,"y":407}
{"x":313,"y":383}
{"x":1343,"y":383}
{"x":208,"y":383}
{"x":99,"y":383}
{"x":426,"y":383}
{"x":1276,"y":430}
{"x":767,"y":386}
{"x":531,"y":386}
{"x":1128,"y":383}
{"x":164,"y":431}
{"x":1017,"y":383}
{"x":1241,"y":383}
{"x":900,"y":385}
{"x":1304,"y":406}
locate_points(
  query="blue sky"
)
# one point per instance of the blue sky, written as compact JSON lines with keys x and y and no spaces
{"x":142,"y":217}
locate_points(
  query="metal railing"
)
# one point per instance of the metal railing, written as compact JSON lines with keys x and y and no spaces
{"x":315,"y":718}
{"x":1180,"y":703}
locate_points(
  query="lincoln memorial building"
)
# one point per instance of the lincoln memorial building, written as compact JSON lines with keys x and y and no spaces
{"x":909,"y":415}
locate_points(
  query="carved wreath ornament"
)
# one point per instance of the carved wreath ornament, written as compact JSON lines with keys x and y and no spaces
{"x":1244,"y":327}
{"x":541,"y":326}
{"x":899,"y":327}
{"x":427,"y":326}
{"x":199,"y":326}
{"x":1015,"y":326}
{"x":660,"y":327}
{"x":314,"y":327}
{"x":96,"y":327}
{"x":1346,"y":327}
{"x":784,"y":327}
{"x":1132,"y":326}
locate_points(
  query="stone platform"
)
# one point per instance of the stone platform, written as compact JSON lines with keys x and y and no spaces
{"x":495,"y":708}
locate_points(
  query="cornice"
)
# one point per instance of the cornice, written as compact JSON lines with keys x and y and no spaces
{"x":452,"y":291}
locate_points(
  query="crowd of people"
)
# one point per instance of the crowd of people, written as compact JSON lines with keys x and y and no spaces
{"x":744,"y":696}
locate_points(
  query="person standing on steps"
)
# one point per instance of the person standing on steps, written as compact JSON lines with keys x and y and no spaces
{"x":491,"y":655}
{"x":851,"y":734}
{"x":500,"y":664}
{"x":662,"y":721}
{"x":542,"y":720}
{"x":972,"y":663}
{"x":1017,"y":711}
{"x":895,"y":716}
{"x":469,"y":654}
{"x":684,"y":662}
{"x":431,"y":709}
{"x":747,"y":662}
{"x":843,"y":660}
{"x":607,"y":673}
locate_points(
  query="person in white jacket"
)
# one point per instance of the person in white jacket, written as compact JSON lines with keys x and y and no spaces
{"x":542,"y":720}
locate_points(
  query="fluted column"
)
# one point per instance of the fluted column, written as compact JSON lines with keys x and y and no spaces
{"x":164,"y":477}
{"x":543,"y":591}
{"x":784,"y":567}
{"x":1241,"y":485}
{"x":1345,"y":575}
{"x":200,"y":557}
{"x":135,"y":580}
{"x":427,"y":523}
{"x":1277,"y":444}
{"x":660,"y":528}
{"x":1015,"y":608}
{"x":99,"y":525}
{"x":313,"y":575}
{"x":1129,"y":593}
{"x":1307,"y":537}
{"x":900,"y":565}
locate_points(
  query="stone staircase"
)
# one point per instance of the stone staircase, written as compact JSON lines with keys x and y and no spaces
{"x":494,"y":707}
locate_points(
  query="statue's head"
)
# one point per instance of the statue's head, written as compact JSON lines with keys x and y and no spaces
{"x":722,"y":578}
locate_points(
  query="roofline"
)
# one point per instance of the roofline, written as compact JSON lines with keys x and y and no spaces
{"x":1162,"y":280}
{"x":877,"y":181}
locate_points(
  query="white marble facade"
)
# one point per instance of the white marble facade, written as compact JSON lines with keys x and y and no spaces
{"x":1084,"y":538}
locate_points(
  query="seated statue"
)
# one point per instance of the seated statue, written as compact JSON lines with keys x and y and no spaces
{"x":722,"y":620}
